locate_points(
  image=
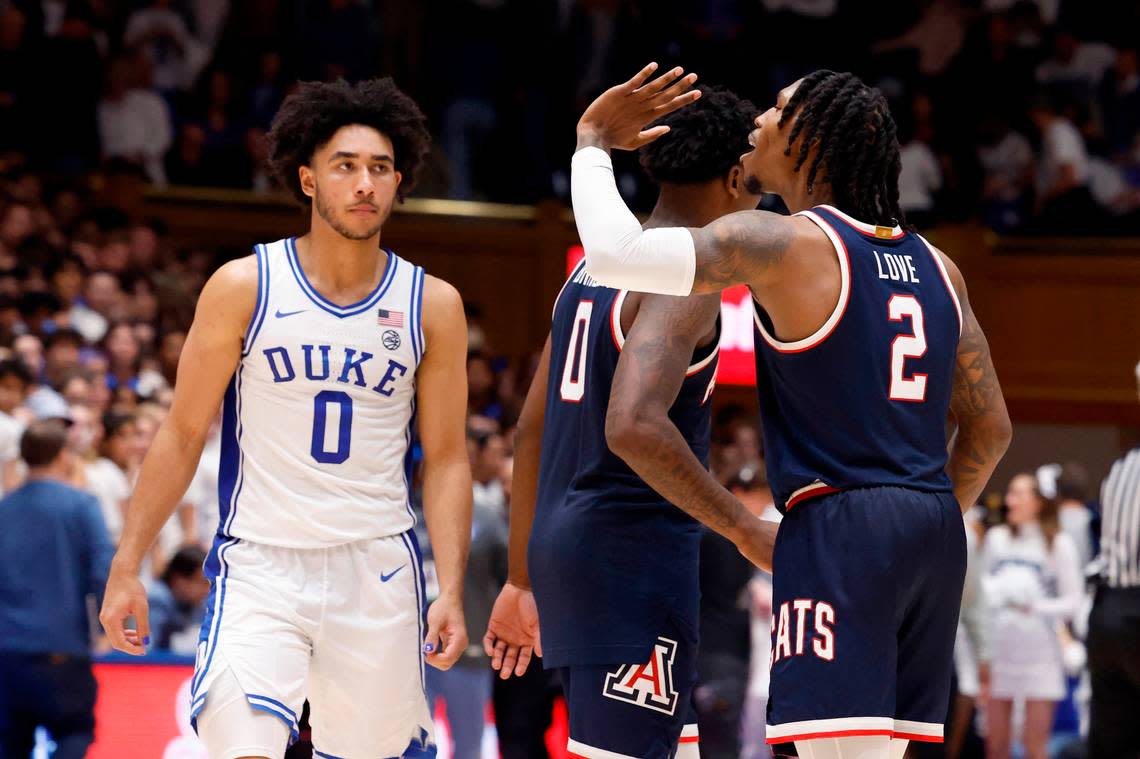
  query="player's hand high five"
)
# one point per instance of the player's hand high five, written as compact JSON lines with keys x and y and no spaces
{"x":618,"y":117}
{"x":512,"y":636}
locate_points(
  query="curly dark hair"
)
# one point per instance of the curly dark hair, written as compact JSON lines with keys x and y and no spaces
{"x":312,"y":114}
{"x":858,"y":144}
{"x":704,"y":142}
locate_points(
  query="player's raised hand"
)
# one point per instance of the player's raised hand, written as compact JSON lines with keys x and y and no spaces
{"x":512,"y":636}
{"x":124,"y":598}
{"x":447,"y":632}
{"x":618,"y":117}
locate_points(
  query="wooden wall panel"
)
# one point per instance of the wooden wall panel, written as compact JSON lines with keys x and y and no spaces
{"x":1062,"y":316}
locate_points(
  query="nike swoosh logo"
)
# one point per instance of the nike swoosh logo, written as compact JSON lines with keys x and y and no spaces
{"x":390,"y":575}
{"x":282,"y":314}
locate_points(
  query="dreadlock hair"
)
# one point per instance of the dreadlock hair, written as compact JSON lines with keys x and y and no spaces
{"x":316,"y":110}
{"x":850,"y":124}
{"x":704,"y":142}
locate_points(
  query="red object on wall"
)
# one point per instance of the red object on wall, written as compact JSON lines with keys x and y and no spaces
{"x":143,"y":711}
{"x":737,"y":361}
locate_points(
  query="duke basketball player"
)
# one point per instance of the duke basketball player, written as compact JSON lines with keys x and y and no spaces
{"x":620,"y":408}
{"x":865,"y":342}
{"x":322,"y":350}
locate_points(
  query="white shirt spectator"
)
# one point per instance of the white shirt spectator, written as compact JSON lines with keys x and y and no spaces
{"x":1109,"y":188}
{"x":1006,"y":164}
{"x":136,"y":127}
{"x":107,"y":482}
{"x":1062,"y":145}
{"x":88,"y":322}
{"x":1087,"y":66}
{"x":10,"y":431}
{"x":203,"y":490}
{"x":919,"y":178}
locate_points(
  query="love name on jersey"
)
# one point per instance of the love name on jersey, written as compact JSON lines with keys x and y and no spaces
{"x":356,"y":368}
{"x":804,"y":626}
{"x":898,"y":268}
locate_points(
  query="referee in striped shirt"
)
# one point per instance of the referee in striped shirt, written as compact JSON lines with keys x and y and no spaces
{"x":1114,"y":625}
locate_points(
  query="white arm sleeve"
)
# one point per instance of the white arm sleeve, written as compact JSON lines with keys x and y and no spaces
{"x":619,"y":253}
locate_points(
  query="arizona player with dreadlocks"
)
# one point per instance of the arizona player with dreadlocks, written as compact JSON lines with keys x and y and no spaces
{"x":865,"y":344}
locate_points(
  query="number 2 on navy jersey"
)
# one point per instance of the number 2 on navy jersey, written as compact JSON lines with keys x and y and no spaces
{"x":906,"y":346}
{"x":574,"y":371}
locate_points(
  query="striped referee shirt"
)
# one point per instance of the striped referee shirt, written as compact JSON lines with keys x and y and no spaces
{"x":1120,"y":526}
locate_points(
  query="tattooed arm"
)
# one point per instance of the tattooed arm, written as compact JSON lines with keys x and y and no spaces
{"x":984,"y":429}
{"x":741,"y":248}
{"x":649,"y":374}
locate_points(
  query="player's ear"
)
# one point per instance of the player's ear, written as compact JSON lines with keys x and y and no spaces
{"x":308,"y":181}
{"x":734,"y":181}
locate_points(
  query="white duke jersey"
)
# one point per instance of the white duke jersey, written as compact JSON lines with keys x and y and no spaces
{"x":316,"y":423}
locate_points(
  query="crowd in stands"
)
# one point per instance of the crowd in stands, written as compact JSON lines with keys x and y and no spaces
{"x":1024,"y":114}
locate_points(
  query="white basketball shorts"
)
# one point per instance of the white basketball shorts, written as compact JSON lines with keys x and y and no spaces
{"x":341,"y":626}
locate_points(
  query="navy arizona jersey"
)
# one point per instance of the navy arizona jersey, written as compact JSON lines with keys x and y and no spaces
{"x":610,"y":560}
{"x":864,"y":400}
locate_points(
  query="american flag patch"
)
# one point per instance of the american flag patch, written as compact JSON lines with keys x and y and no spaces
{"x":387,"y":318}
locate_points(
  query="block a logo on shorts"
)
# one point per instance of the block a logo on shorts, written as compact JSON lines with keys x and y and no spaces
{"x":649,"y":685}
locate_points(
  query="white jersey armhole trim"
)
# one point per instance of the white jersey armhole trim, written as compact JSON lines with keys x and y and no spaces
{"x":832,"y":322}
{"x":415,"y":312}
{"x":261,"y":305}
{"x":945,"y":278}
{"x":619,"y":336}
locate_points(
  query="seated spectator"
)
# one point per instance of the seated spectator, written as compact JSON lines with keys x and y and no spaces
{"x":15,"y":379}
{"x":178,"y":602}
{"x":1064,"y":203}
{"x":110,"y":475}
{"x":124,"y":355}
{"x":134,"y":124}
{"x":1006,"y":158}
{"x":1074,"y":69}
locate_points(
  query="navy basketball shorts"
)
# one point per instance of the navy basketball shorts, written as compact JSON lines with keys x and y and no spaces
{"x":867,"y":585}
{"x":640,"y":710}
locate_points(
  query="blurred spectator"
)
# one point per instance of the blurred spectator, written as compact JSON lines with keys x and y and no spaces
{"x":163,"y":37}
{"x":482,"y":388}
{"x":1064,"y":203}
{"x":134,"y":124}
{"x":1072,"y":493}
{"x":54,"y":555}
{"x":1074,"y":69}
{"x":1120,"y":101}
{"x":937,"y":36}
{"x":268,"y":91}
{"x":1006,"y":158}
{"x":178,"y":602}
{"x":920,"y":177}
{"x":465,"y":689}
{"x":14,"y":383}
{"x":123,"y":352}
{"x":109,"y":476}
{"x":487,"y":452}
{"x":1033,"y":581}
{"x":725,"y":634}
